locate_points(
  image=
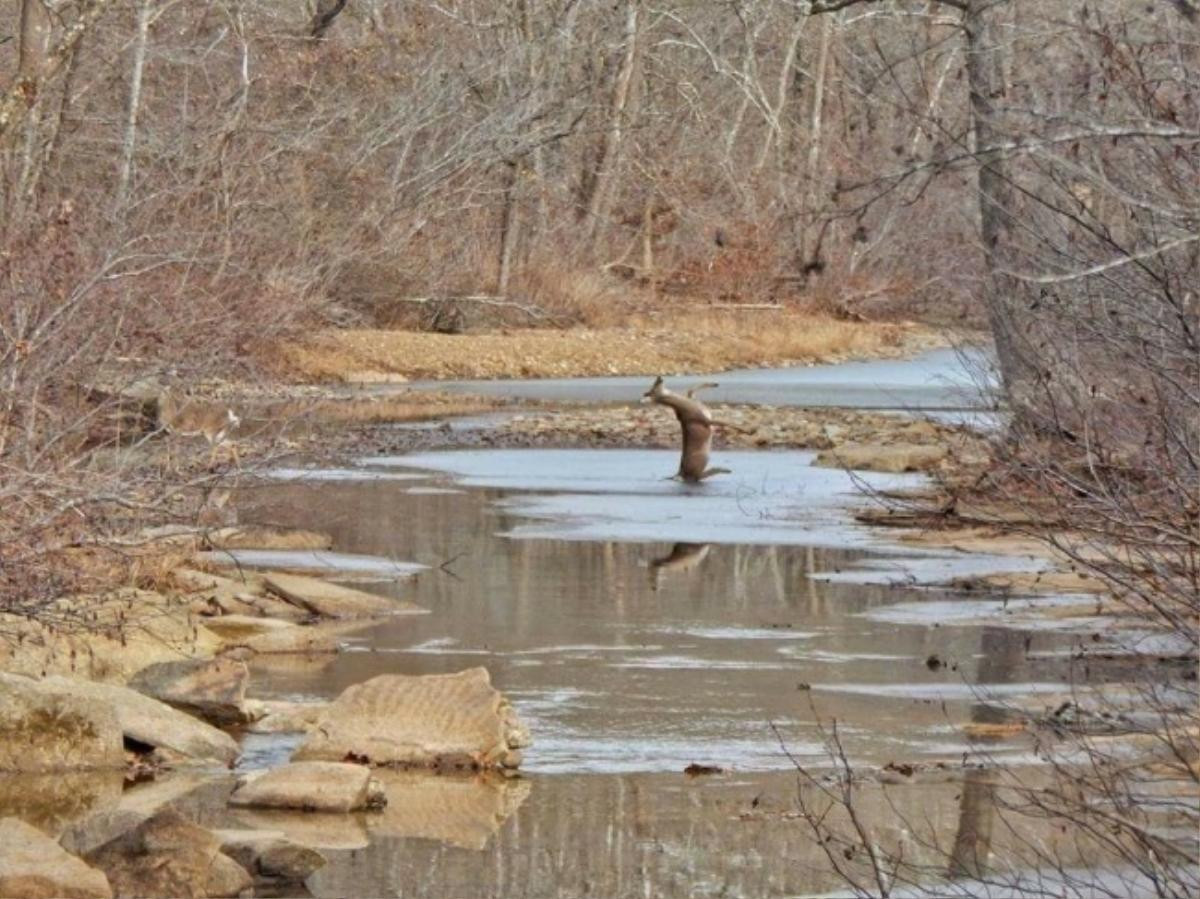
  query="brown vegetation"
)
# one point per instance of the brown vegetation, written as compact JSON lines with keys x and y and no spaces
{"x":678,"y":342}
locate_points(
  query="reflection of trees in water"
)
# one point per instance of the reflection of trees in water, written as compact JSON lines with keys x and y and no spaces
{"x":1003,"y":656}
{"x":380,"y":519}
{"x":623,"y":836}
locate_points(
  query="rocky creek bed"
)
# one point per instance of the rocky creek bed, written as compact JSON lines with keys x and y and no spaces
{"x":336,"y":699}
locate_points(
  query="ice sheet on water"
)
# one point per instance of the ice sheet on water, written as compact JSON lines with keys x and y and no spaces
{"x":628,"y":496}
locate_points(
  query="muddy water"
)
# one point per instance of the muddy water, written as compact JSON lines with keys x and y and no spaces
{"x":640,"y":626}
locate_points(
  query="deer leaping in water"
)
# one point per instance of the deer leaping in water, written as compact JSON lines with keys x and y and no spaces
{"x":696,"y":424}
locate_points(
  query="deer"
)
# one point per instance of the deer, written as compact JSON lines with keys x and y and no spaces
{"x":696,"y":426}
{"x":214,"y":423}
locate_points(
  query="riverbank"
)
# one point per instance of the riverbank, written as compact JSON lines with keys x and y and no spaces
{"x":673,"y":342}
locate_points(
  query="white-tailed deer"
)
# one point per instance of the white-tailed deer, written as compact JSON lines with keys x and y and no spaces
{"x":188,"y":418}
{"x":696,"y":424}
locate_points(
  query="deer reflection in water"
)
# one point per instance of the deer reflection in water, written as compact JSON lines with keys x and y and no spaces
{"x":682,"y":557}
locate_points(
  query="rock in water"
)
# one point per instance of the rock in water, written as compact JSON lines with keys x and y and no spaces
{"x":332,"y":600}
{"x":313,"y":787}
{"x":214,"y":690}
{"x":168,"y":856}
{"x":438,"y":720}
{"x":45,"y":730}
{"x":270,"y":857}
{"x":154,"y":723}
{"x":33,"y":866}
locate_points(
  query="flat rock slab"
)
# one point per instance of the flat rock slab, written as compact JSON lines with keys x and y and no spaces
{"x":297,"y":640}
{"x":893,"y":457}
{"x":313,"y":787}
{"x":332,"y":600}
{"x":212,"y":594}
{"x":167,"y":855}
{"x":33,"y":866}
{"x":270,"y":635}
{"x":146,"y":720}
{"x":213,"y":689}
{"x":43,"y":729}
{"x":436,"y":721}
{"x":344,"y":566}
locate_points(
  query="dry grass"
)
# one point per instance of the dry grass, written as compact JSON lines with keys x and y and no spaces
{"x":671,"y":342}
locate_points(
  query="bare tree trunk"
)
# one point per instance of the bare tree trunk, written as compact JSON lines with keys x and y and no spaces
{"x":510,"y":223}
{"x":814,"y":138}
{"x":782,"y":92}
{"x":997,"y":200}
{"x":33,"y":57}
{"x":33,"y":52}
{"x":611,"y":143}
{"x":648,"y":241}
{"x":50,"y":141}
{"x":537,"y":162}
{"x":129,"y":141}
{"x":23,"y":92}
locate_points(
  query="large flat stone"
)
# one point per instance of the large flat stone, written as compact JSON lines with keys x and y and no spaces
{"x":439,"y":720}
{"x":212,"y":689}
{"x":44,"y":729}
{"x":313,"y":787}
{"x":146,"y":720}
{"x":33,"y":866}
{"x":333,"y":600}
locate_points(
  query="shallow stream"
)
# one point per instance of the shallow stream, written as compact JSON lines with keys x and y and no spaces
{"x":640,"y":626}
